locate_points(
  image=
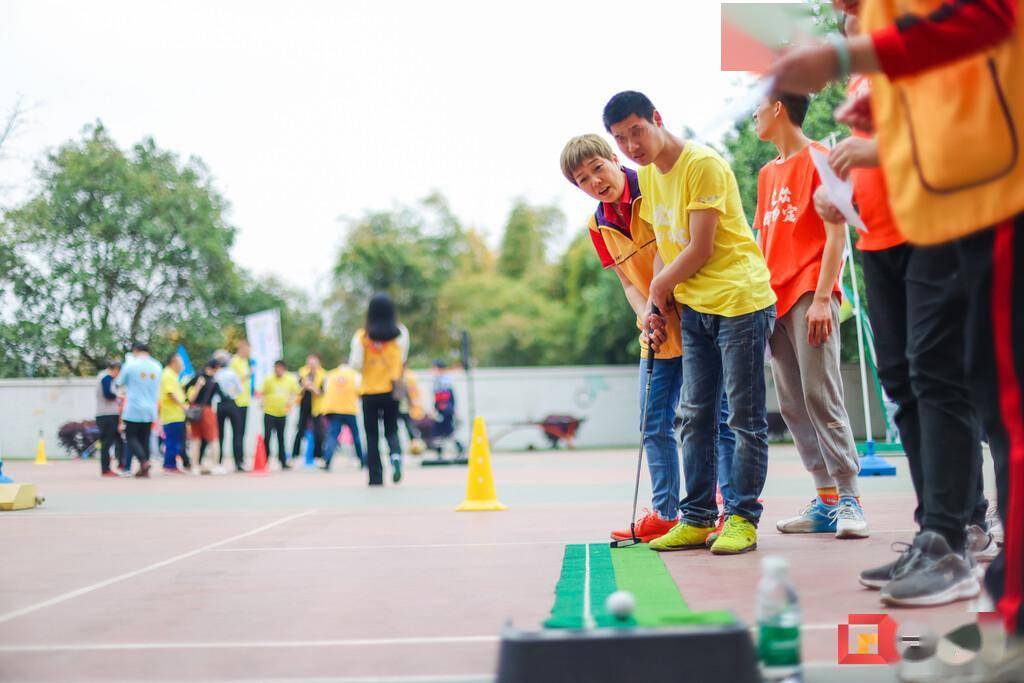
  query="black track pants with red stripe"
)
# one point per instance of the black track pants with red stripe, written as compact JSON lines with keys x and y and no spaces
{"x":992,"y":263}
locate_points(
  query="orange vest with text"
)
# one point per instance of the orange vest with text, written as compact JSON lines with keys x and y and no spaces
{"x":382,"y":364}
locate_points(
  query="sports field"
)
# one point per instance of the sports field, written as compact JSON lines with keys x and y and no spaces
{"x":307,"y":576}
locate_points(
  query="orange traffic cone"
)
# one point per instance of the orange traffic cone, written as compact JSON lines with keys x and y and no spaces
{"x":259,"y":467}
{"x":480,"y":493}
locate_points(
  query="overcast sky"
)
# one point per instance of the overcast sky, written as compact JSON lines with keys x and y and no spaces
{"x":309,"y":111}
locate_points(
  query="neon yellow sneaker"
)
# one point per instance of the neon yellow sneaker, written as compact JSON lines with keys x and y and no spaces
{"x":682,"y":536}
{"x":738,"y":536}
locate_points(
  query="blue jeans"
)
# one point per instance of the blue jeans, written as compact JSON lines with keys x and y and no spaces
{"x":335,"y":422}
{"x":727,"y":352}
{"x":174,"y":441}
{"x":660,"y":437}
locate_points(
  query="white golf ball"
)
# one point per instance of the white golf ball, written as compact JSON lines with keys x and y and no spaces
{"x":620,"y":604}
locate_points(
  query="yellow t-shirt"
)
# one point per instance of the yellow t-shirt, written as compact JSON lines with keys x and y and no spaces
{"x":170,"y":386}
{"x":278,"y":393}
{"x":735,"y":280}
{"x":341,"y":392}
{"x":241,"y":367}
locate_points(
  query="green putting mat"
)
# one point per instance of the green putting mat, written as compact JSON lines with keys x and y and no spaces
{"x":638,"y":570}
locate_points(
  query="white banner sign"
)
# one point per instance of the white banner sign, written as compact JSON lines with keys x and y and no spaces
{"x":263,"y":330}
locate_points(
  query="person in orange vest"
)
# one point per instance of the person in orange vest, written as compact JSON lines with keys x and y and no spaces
{"x":339,"y":404}
{"x":947,"y":102}
{"x":919,"y":342}
{"x":379,"y":351}
{"x":625,"y":244}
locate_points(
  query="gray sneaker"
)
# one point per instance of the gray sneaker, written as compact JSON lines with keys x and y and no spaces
{"x":878,"y":577}
{"x":938,"y":576}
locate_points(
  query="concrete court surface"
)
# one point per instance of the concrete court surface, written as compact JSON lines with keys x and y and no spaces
{"x":310,"y":576}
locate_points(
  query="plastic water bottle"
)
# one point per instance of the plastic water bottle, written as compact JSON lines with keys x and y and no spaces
{"x":778,"y":623}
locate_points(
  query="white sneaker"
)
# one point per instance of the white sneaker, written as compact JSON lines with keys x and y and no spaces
{"x":219,"y":469}
{"x":850,"y":522}
{"x":981,"y":543}
{"x":995,"y":525}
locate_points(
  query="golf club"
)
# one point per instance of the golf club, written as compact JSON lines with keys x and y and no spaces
{"x":633,"y":540}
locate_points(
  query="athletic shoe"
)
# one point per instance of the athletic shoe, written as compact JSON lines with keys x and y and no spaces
{"x":878,"y":577}
{"x":124,"y":473}
{"x":682,"y":536}
{"x":713,"y":536}
{"x":649,"y":527}
{"x":981,"y":544}
{"x":396,"y":469}
{"x":938,"y":577}
{"x":108,"y":473}
{"x":219,"y":469}
{"x":143,"y":472}
{"x":285,"y":466}
{"x":738,"y":536}
{"x":849,"y":516}
{"x":172,"y":470}
{"x":995,"y":525}
{"x":815,"y":518}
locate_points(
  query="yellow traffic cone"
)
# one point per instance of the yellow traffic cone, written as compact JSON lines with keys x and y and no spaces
{"x":480,"y":494}
{"x":41,"y":452}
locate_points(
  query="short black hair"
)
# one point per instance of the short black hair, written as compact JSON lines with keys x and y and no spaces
{"x":280,"y":362}
{"x":140,"y":346}
{"x":113,"y":364}
{"x":170,"y":358}
{"x":624,"y":104}
{"x":796,"y":106}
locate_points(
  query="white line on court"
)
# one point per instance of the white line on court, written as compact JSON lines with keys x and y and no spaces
{"x":409,"y":546}
{"x":127,"y":575}
{"x":588,"y":615}
{"x":228,"y":645}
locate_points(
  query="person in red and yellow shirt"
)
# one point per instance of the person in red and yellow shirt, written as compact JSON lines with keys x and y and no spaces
{"x":804,"y":255}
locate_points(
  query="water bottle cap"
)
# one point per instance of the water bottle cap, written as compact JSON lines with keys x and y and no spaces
{"x":773,"y":564}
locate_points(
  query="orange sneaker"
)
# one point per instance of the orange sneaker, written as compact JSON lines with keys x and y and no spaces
{"x":649,"y":527}
{"x":713,"y":536}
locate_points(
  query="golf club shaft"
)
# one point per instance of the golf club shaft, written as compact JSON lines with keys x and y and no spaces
{"x":643,"y":427}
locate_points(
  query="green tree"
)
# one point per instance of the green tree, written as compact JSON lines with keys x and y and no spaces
{"x":524,"y":242}
{"x":409,"y":252}
{"x":115,"y":245}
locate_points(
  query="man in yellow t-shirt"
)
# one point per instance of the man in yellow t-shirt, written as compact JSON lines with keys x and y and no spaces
{"x":279,"y":393}
{"x":311,"y":383}
{"x":242,"y":366}
{"x":715,"y":271}
{"x":172,"y":415}
{"x":339,"y":404}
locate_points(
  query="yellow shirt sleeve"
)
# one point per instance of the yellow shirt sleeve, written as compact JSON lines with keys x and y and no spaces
{"x":707,"y":185}
{"x":643,"y":176}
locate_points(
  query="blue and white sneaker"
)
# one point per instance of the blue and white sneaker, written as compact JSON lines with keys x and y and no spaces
{"x":849,"y":516}
{"x":815,"y":518}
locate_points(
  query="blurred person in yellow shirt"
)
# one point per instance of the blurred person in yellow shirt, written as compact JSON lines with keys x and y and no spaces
{"x":340,"y":404}
{"x":280,"y":391}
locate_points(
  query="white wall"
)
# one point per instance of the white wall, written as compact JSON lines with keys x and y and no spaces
{"x":607,"y":396}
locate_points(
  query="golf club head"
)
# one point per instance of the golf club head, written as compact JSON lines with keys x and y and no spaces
{"x":626,"y":543}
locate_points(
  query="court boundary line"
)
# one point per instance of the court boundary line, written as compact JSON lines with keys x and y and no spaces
{"x":495,"y":544}
{"x":255,"y":644}
{"x":70,"y":595}
{"x":242,"y":644}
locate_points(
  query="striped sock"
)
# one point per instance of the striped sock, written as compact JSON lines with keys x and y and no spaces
{"x":829,"y":495}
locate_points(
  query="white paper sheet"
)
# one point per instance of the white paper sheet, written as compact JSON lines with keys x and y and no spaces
{"x":840,"y":192}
